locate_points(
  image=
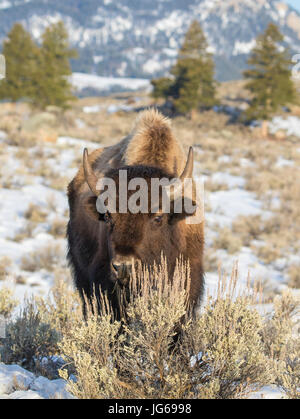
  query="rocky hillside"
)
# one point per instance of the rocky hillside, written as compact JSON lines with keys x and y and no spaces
{"x":140,"y":38}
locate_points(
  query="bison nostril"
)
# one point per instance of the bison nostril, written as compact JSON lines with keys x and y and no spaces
{"x":122,"y":271}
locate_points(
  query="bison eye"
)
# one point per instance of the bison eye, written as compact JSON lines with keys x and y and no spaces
{"x":158,"y":219}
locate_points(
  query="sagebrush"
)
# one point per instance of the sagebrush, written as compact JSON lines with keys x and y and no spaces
{"x":160,"y":349}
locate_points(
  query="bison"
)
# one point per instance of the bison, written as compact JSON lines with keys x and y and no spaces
{"x":102,"y":244}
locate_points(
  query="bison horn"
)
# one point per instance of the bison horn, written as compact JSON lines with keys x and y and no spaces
{"x":177,"y":189}
{"x":90,"y":176}
{"x":188,"y":170}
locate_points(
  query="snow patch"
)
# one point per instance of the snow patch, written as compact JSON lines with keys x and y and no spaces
{"x":18,"y":383}
{"x":291,"y":125}
{"x":82,"y":81}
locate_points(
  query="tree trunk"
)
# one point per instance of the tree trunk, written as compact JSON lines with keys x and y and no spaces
{"x":265,"y":129}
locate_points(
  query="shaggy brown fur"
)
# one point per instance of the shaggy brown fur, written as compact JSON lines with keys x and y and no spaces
{"x":150,"y":151}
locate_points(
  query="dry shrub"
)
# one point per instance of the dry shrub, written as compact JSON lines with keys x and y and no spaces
{"x":62,"y":308}
{"x":278,"y":235}
{"x":220,"y":354}
{"x":5,"y":263}
{"x":211,"y":262}
{"x":268,"y":253}
{"x":21,"y":138}
{"x":47,"y":257}
{"x":160,"y":350}
{"x":137,"y":362}
{"x":215,"y":186}
{"x":44,"y":169}
{"x":110,"y":128}
{"x":28,"y":338}
{"x":92,"y":348}
{"x":24,"y":155}
{"x":288,"y":371}
{"x":282,"y":343}
{"x":228,"y":241}
{"x":294,"y":276}
{"x":59,"y":183}
{"x":279,"y":329}
{"x":9,"y":123}
{"x":7,"y":302}
{"x":231,"y":362}
{"x":248,"y":228}
{"x":35,"y":214}
{"x":58,"y":227}
{"x":261,"y":181}
{"x":209,"y":164}
{"x":26,"y":232}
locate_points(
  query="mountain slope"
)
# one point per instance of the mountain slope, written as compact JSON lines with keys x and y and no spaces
{"x":140,"y":38}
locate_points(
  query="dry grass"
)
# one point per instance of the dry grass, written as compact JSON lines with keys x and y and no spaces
{"x":228,"y":241}
{"x":59,"y":183}
{"x":26,"y":232}
{"x":211,"y":262}
{"x":282,"y":343}
{"x":5,"y":263}
{"x":7,"y":302}
{"x":48,"y":257}
{"x":35,"y":214}
{"x":58,"y":227}
{"x":28,"y":338}
{"x":215,"y":186}
{"x":62,"y":309}
{"x":294,"y":276}
{"x":247,"y":228}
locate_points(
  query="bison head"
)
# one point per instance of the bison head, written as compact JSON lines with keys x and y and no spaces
{"x":146,"y":229}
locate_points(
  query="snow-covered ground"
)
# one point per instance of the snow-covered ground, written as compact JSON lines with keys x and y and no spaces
{"x":225,"y":206}
{"x":290,"y":124}
{"x":17,"y":383}
{"x":24,"y":191}
{"x":15,"y":201}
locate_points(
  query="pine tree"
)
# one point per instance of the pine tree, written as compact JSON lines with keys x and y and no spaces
{"x":162,"y":87}
{"x":51,"y":77}
{"x":20,"y":54}
{"x":270,"y":79}
{"x":192,"y":85}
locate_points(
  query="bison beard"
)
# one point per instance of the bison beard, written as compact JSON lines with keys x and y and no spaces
{"x":101,"y":247}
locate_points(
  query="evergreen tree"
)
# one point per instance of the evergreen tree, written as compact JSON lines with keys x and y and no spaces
{"x":20,"y":54}
{"x":270,"y":79}
{"x":51,"y":77}
{"x":162,"y":87}
{"x":193,"y":86}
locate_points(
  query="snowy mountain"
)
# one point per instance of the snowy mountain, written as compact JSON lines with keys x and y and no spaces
{"x":140,"y":38}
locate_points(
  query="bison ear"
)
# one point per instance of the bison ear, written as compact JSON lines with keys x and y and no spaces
{"x":91,"y":209}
